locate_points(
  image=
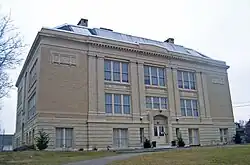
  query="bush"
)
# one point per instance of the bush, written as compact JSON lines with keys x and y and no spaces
{"x":42,"y":140}
{"x":181,"y":143}
{"x":147,"y":144}
{"x":25,"y":148}
{"x":173,"y":143}
{"x":237,"y":138}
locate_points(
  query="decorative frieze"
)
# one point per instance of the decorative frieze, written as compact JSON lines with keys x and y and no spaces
{"x":63,"y":59}
{"x":218,"y":80}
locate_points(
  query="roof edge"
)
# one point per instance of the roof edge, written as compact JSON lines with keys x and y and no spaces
{"x":33,"y":46}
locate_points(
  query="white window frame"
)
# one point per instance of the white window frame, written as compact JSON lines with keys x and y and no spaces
{"x":112,"y":72}
{"x":192,"y":106}
{"x":64,"y":136}
{"x":189,"y":81}
{"x":223,"y":136}
{"x":158,"y":77}
{"x":32,"y":108}
{"x":113,"y":104}
{"x":152,"y":102}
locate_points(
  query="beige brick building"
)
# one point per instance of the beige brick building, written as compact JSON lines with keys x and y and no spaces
{"x":93,"y":87}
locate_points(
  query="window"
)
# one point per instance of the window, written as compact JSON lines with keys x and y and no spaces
{"x":141,"y":135}
{"x":159,"y":130}
{"x":154,"y":76}
{"x":32,"y":74}
{"x":20,"y":96}
{"x":193,"y":136}
{"x":32,"y":106}
{"x":186,"y":80}
{"x":120,"y":137}
{"x":64,"y":137}
{"x":116,"y":71}
{"x":224,"y":135}
{"x":189,"y":107}
{"x":126,"y":104}
{"x":156,"y":102}
{"x":117,"y":103}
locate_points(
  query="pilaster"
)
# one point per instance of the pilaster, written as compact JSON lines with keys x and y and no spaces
{"x":135,"y":100}
{"x":205,"y":94}
{"x":141,"y":87}
{"x":100,"y":86}
{"x":176,"y":93}
{"x":200,"y":95}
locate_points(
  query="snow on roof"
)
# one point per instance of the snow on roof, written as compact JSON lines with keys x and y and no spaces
{"x":109,"y":34}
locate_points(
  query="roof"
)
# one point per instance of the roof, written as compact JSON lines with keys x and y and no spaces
{"x":6,"y":140}
{"x":110,"y":34}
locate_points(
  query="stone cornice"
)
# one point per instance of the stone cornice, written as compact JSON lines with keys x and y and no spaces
{"x":119,"y":45}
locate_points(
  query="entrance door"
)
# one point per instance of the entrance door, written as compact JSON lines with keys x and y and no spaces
{"x":159,"y":130}
{"x":120,"y":137}
{"x":159,"y":134}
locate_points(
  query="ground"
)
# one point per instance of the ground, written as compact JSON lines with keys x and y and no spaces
{"x":232,"y":155}
{"x":47,"y":158}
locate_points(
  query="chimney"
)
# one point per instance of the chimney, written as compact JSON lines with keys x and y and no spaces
{"x":170,"y":40}
{"x":83,"y":22}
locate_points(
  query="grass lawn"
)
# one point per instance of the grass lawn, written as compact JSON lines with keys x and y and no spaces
{"x":47,"y":157}
{"x":230,"y":155}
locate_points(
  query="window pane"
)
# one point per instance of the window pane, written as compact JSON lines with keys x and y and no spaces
{"x":117,"y":103}
{"x":191,"y":76}
{"x":154,"y":76}
{"x":108,"y":103}
{"x":116,"y":76}
{"x":124,"y":67}
{"x":107,"y":75}
{"x":194,"y":102}
{"x":192,"y":85}
{"x":161,"y":131}
{"x":179,"y":75}
{"x":126,"y":104}
{"x":163,"y":103}
{"x":148,"y":102}
{"x":185,"y":76}
{"x":161,"y":72}
{"x":125,"y":77}
{"x":156,"y":102}
{"x":180,"y":83}
{"x":124,"y":72}
{"x":126,"y":109}
{"x":146,"y":71}
{"x":116,"y":71}
{"x":183,"y":109}
{"x":107,"y":65}
{"x":186,"y":84}
{"x":126,"y":100}
{"x":147,"y":80}
{"x":154,"y":81}
{"x":195,"y":109}
{"x":189,"y":108}
{"x":183,"y":112}
{"x":162,"y":81}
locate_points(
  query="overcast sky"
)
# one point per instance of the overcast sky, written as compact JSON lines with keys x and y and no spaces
{"x":217,"y":28}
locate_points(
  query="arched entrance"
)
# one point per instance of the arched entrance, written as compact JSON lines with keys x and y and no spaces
{"x":160,"y":132}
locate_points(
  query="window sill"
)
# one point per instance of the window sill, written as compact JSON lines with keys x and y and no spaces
{"x":120,"y":115}
{"x":187,"y":90}
{"x":155,"y":87}
{"x":149,"y":109}
{"x":116,"y":83}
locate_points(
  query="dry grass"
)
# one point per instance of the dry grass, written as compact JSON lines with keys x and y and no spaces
{"x":47,"y":158}
{"x":235,"y":155}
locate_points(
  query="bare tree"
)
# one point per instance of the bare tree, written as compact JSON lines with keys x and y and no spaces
{"x":11,"y":48}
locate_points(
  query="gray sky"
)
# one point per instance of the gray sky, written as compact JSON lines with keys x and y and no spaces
{"x":217,"y":28}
